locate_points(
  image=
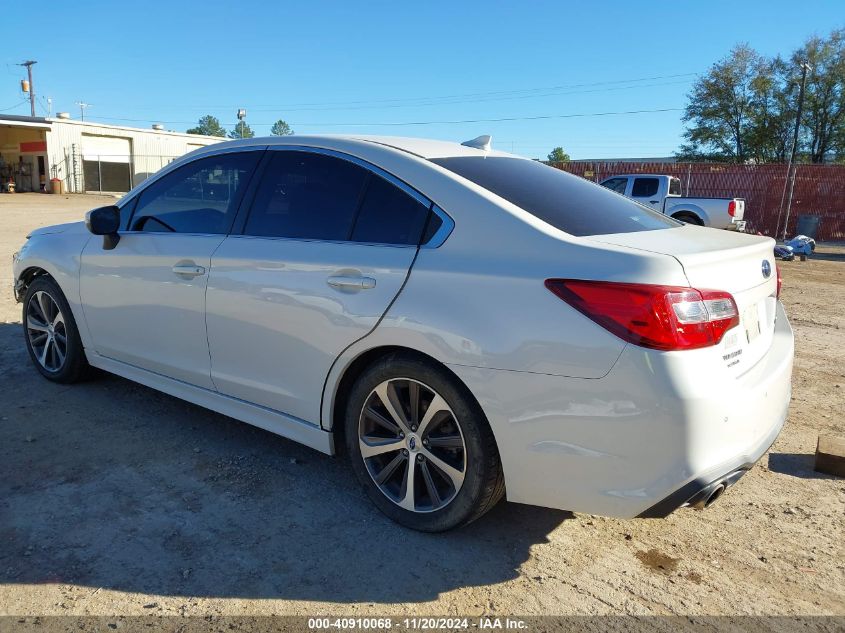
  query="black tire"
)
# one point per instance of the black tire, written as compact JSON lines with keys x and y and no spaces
{"x":483,"y":481}
{"x":74,"y":366}
{"x":689,"y":218}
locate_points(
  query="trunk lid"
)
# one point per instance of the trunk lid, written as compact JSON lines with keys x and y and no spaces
{"x":722,"y":260}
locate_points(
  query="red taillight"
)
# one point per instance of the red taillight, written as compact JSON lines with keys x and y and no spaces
{"x":780,"y":280}
{"x":659,"y":317}
{"x":732,"y":208}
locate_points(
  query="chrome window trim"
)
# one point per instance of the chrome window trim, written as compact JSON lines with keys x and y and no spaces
{"x":436,"y":240}
{"x":315,"y":239}
{"x":401,"y":184}
{"x":447,"y":223}
{"x":139,"y":189}
{"x":445,"y":230}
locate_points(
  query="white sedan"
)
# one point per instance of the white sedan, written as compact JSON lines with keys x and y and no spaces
{"x":465,"y":323}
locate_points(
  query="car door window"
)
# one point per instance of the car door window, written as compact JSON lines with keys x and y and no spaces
{"x":644,"y":187}
{"x":616,"y":184}
{"x":307,"y":195}
{"x":200,"y":197}
{"x":674,"y":187}
{"x":389,"y":215}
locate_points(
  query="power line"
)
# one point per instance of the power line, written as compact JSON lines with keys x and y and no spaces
{"x":19,"y":103}
{"x":417,"y":123}
{"x":427,"y":101}
{"x":472,"y":94}
{"x":429,"y":104}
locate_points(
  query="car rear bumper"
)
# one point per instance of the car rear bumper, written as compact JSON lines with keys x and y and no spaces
{"x":701,"y":490}
{"x":641,"y":441}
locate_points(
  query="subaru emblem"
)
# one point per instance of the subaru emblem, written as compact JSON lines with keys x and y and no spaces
{"x":767,"y":268}
{"x":412,"y":443}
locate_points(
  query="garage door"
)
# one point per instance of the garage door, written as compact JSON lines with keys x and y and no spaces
{"x":106,"y":163}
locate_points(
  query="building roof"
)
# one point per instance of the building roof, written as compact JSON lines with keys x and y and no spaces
{"x":16,"y":120}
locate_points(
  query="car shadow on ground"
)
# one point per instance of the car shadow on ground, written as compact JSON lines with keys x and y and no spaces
{"x":796,"y":465}
{"x":110,"y":484}
{"x":828,"y":256}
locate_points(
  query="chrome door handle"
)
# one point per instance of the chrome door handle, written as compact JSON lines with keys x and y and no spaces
{"x":188,"y":270}
{"x":349,"y":282}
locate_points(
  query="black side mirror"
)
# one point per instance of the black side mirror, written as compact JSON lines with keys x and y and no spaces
{"x":104,"y":221}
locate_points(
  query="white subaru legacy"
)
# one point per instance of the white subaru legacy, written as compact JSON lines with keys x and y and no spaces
{"x":464,"y":323}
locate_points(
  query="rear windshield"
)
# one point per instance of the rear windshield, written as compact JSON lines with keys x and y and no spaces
{"x":567,"y":202}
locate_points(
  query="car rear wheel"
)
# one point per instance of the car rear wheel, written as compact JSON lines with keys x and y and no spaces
{"x":689,"y":218}
{"x":420,"y":445}
{"x":50,"y":332}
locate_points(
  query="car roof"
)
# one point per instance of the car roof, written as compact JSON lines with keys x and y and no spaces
{"x":422,"y":147}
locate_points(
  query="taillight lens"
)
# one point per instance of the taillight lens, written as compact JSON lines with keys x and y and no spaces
{"x":659,"y":317}
{"x":732,"y":208}
{"x":780,"y":280}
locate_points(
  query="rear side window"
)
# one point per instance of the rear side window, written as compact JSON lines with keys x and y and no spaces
{"x":306,"y":195}
{"x":674,"y":187}
{"x":616,"y":184}
{"x":201,"y":197}
{"x":388,"y":215}
{"x":645,"y":187}
{"x":567,"y":202}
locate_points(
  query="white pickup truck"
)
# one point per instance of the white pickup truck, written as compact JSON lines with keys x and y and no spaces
{"x":663,"y":193}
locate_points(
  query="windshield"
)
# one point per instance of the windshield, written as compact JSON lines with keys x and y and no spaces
{"x":567,"y":202}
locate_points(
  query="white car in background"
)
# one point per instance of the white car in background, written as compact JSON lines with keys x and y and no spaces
{"x":465,"y":322}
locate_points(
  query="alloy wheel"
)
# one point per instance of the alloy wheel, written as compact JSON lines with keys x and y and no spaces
{"x":45,"y":327}
{"x":412,"y":445}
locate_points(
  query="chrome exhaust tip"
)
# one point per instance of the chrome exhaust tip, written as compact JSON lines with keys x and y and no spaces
{"x":707,"y":495}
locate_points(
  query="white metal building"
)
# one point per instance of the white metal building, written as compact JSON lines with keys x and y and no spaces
{"x":85,"y":156}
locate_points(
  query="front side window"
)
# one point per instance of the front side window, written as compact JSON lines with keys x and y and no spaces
{"x":308,"y":196}
{"x":569,"y":203}
{"x":200,"y":197}
{"x":645,"y":187}
{"x":616,"y":184}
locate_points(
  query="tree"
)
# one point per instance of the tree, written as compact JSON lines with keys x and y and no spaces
{"x":773,"y":117}
{"x":242,"y":130}
{"x":281,"y":128}
{"x":557,"y":155}
{"x":823,"y":119}
{"x":209,"y":126}
{"x":745,"y":107}
{"x":722,"y":105}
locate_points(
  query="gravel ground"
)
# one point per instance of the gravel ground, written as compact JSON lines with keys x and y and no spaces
{"x":116,"y":499}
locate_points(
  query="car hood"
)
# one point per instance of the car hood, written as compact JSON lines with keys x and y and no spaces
{"x":69,"y":227}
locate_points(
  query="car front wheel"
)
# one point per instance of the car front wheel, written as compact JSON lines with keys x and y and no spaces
{"x":420,"y":445}
{"x":50,"y":332}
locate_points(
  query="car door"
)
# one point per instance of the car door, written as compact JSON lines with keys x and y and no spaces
{"x":646,"y":190}
{"x":144,"y":301}
{"x":325,"y":249}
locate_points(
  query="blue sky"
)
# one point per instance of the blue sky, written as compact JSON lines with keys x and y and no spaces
{"x":334,"y":67}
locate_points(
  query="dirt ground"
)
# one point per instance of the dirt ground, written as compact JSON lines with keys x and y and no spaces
{"x":116,"y":499}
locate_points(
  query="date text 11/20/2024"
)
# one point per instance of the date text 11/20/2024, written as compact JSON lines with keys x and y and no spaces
{"x":418,"y":623}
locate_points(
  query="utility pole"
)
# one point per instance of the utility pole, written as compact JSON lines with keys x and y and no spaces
{"x":804,"y":68}
{"x":82,"y":105}
{"x":28,"y":65}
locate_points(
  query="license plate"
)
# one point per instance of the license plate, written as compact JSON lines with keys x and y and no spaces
{"x":751,"y":321}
